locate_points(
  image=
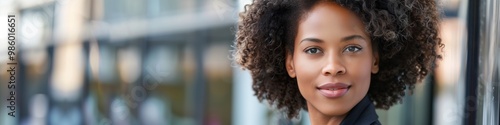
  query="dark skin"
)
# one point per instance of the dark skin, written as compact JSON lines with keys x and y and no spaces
{"x":331,"y":46}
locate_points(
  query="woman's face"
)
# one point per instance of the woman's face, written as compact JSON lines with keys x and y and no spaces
{"x":332,"y":59}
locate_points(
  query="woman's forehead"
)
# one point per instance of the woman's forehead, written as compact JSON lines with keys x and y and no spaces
{"x":332,"y":20}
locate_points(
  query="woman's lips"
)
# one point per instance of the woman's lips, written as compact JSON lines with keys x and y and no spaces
{"x":333,"y":90}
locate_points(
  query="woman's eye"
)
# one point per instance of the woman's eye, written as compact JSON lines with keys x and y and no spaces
{"x":313,"y":51}
{"x":352,"y":49}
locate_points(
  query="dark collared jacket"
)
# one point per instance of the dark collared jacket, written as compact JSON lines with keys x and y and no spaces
{"x":362,"y":114}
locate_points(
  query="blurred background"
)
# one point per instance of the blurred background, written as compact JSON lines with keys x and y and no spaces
{"x":168,"y":62}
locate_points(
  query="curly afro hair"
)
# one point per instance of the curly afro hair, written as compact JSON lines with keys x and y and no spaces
{"x":404,"y":31}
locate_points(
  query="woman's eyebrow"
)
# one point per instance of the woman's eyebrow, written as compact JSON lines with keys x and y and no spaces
{"x":352,"y":37}
{"x":345,"y":39}
{"x":316,"y":40}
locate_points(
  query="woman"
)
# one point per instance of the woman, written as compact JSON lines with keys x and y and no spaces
{"x":337,"y":59}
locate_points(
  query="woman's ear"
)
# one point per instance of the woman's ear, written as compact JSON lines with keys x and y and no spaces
{"x":289,"y":65}
{"x":375,"y":65}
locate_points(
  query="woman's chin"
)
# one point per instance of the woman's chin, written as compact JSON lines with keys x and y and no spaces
{"x":335,"y":112}
{"x":331,"y":110}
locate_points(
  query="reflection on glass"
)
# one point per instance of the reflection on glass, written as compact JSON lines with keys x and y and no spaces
{"x":154,"y":111}
{"x":489,"y":63}
{"x":119,"y":111}
{"x":67,"y":77}
{"x":129,"y":63}
{"x":162,"y":64}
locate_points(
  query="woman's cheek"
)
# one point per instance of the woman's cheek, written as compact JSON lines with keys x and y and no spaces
{"x":307,"y":68}
{"x":361,"y":71}
{"x":307,"y":71}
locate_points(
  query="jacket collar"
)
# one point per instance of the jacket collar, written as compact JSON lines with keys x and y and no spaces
{"x":362,"y":114}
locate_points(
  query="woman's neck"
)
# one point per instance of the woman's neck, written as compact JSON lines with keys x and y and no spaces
{"x":318,"y":118}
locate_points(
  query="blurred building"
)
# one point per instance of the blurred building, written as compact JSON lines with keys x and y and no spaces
{"x":123,"y":62}
{"x":168,"y":62}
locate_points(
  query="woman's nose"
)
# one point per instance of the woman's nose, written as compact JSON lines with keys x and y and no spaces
{"x":334,"y":67}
